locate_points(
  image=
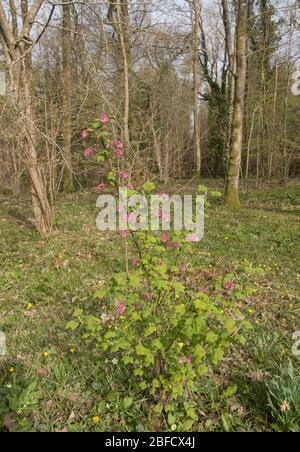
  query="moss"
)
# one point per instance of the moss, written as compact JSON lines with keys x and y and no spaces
{"x":232,"y":198}
{"x":68,"y":186}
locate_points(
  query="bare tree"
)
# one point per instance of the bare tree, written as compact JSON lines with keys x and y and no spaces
{"x":195,"y":9}
{"x":18,"y":46}
{"x":229,"y":49}
{"x":118,"y":16}
{"x":232,"y":189}
{"x":66,"y":84}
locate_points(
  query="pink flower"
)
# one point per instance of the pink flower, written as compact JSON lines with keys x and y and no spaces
{"x":123,"y":233}
{"x":130,"y":187}
{"x":182,"y":268}
{"x":88,"y":152}
{"x":164,"y":196}
{"x":104,"y":119}
{"x":174,"y":245}
{"x":188,"y":359}
{"x":148,"y":298}
{"x":120,"y":208}
{"x":121,"y":308}
{"x":201,"y":289}
{"x":135,"y":262}
{"x":119,"y":148}
{"x":119,"y":153}
{"x":192,"y":238}
{"x":101,"y":186}
{"x":163,"y":216}
{"x":118,"y":144}
{"x":133,"y":219}
{"x":123,"y":174}
{"x":165,"y":238}
{"x":229,"y":285}
{"x":85,"y":134}
{"x":180,"y":360}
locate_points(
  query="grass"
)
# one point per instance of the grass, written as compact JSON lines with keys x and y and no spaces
{"x":45,"y":385}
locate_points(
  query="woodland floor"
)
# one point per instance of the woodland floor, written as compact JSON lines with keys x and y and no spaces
{"x":43,"y":281}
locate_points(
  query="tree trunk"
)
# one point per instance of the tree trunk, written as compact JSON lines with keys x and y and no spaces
{"x":42,"y":210}
{"x":229,"y":47}
{"x":18,"y":59}
{"x":232,"y":189}
{"x":68,"y":183}
{"x":118,"y":15}
{"x":196,"y":83}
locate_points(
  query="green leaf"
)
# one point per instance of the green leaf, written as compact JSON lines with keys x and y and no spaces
{"x":100,"y":294}
{"x":149,"y":186}
{"x":171,"y":419}
{"x":128,"y":360}
{"x":141,"y":350}
{"x":218,"y":356}
{"x":226,"y":423}
{"x":72,"y":325}
{"x":155,"y":383}
{"x":159,"y":408}
{"x":199,"y":351}
{"x":202,"y":189}
{"x":216,"y":194}
{"x":211,"y":337}
{"x":134,"y":281}
{"x":150,"y":330}
{"x":128,"y":402}
{"x":230,"y":326}
{"x":230,"y":391}
{"x":157,"y":344}
{"x":181,"y":309}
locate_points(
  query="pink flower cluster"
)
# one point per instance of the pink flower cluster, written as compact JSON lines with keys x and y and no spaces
{"x":104,"y":119}
{"x":166,"y":240}
{"x":119,"y":148}
{"x":229,"y":285}
{"x":163,"y":216}
{"x":88,"y":152}
{"x":136,"y":262}
{"x":121,"y":308}
{"x":101,"y":186}
{"x":188,"y":359}
{"x":193,"y":238}
{"x":85,"y":134}
{"x":123,"y":174}
{"x":148,"y":298}
{"x":164,"y":196}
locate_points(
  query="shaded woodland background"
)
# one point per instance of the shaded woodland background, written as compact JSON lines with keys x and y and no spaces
{"x":163,"y":72}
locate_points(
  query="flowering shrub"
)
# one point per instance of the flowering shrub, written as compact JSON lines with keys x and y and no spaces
{"x":164,"y":333}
